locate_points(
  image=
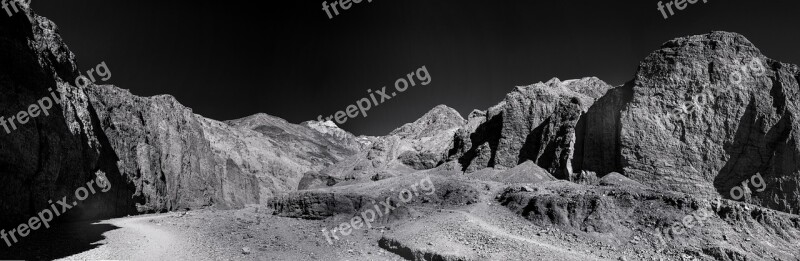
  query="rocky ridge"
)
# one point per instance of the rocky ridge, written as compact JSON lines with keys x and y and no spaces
{"x":54,"y":154}
{"x":639,"y":138}
{"x":178,"y":159}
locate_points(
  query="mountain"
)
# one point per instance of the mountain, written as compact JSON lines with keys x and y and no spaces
{"x":177,"y":159}
{"x":422,"y":144}
{"x":540,"y":122}
{"x":705,"y":117}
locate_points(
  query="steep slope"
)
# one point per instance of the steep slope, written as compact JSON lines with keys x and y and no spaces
{"x":157,"y":153}
{"x":178,"y":159}
{"x":162,"y":150}
{"x":539,"y":122}
{"x":706,"y":114}
{"x":61,"y":149}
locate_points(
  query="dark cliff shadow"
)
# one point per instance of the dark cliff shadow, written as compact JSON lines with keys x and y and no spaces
{"x":489,"y":131}
{"x":122,"y":199}
{"x":753,"y":152}
{"x":548,"y":144}
{"x":54,"y":154}
{"x":597,"y":133}
{"x":59,"y":241}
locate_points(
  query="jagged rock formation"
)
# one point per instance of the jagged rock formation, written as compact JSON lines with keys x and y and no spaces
{"x":178,"y":159}
{"x":162,"y":149}
{"x":52,"y":154}
{"x":420,"y":145}
{"x":704,"y":114}
{"x":537,"y":122}
{"x":161,"y":156}
{"x":734,"y":116}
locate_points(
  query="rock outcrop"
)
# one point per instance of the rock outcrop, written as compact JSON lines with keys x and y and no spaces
{"x":670,"y":222}
{"x":704,"y":114}
{"x":60,"y":145}
{"x":539,"y":122}
{"x":162,"y":149}
{"x":178,"y":159}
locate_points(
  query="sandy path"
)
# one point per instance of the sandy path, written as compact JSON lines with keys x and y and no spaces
{"x":139,"y":239}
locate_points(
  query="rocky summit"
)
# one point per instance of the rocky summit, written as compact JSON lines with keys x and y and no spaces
{"x":563,"y":169}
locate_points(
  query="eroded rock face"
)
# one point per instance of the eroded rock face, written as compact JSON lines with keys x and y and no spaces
{"x":640,"y":215}
{"x":162,"y":149}
{"x":54,"y":153}
{"x":178,"y":159}
{"x":536,"y":122}
{"x":706,"y":113}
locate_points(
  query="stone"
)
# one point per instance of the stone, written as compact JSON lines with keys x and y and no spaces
{"x":537,"y":122}
{"x":703,"y":114}
{"x":54,"y":154}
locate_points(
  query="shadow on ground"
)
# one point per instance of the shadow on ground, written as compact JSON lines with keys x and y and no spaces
{"x":59,"y":241}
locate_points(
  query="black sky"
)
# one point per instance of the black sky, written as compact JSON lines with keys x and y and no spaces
{"x":227,"y":60}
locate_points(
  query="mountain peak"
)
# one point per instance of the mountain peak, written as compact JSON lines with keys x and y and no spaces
{"x":437,"y":119}
{"x":713,"y":38}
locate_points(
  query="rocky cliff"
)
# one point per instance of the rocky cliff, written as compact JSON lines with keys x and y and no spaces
{"x":539,"y":122}
{"x":54,"y":151}
{"x":178,"y":159}
{"x":704,"y":115}
{"x":157,"y":153}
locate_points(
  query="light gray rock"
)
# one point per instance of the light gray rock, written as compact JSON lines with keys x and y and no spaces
{"x":420,"y":145}
{"x":178,"y":159}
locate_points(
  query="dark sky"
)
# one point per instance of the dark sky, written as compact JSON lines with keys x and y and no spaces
{"x":227,"y":60}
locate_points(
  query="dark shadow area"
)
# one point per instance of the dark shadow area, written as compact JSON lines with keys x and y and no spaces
{"x":489,"y":131}
{"x":55,"y":153}
{"x":770,"y":154}
{"x":59,"y":241}
{"x":122,"y":199}
{"x":599,"y":148}
{"x":742,"y":163}
{"x":549,"y":144}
